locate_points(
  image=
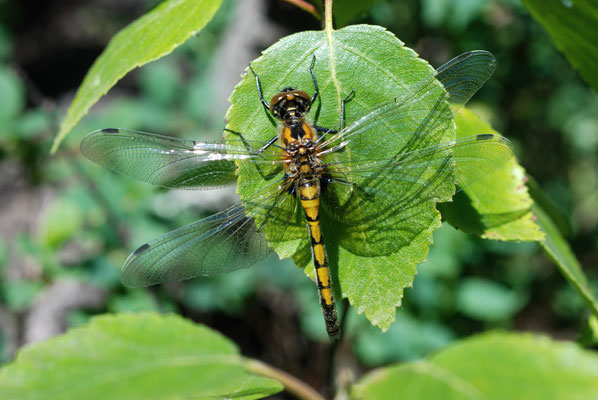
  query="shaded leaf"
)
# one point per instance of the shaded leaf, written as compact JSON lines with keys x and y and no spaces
{"x":152,"y":36}
{"x":557,"y":248}
{"x":485,"y":300}
{"x":133,"y":356}
{"x":572,"y":26}
{"x":347,"y":11}
{"x":12,"y":100}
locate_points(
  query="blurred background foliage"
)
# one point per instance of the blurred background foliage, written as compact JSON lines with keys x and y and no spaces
{"x":66,"y":226}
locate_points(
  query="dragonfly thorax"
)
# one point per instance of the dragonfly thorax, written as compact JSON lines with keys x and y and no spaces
{"x":301,"y":147}
{"x":304,"y":161}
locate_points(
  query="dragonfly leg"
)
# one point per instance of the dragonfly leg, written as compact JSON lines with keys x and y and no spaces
{"x":248,"y":147}
{"x":313,"y":76}
{"x":345,"y":100}
{"x":270,"y":143}
{"x":327,"y":131}
{"x":259,"y":90}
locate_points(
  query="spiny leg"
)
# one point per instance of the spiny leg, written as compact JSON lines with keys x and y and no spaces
{"x":259,"y":89}
{"x":327,"y":131}
{"x":248,"y":147}
{"x":345,"y":100}
{"x":313,"y":77}
{"x":267,"y":107}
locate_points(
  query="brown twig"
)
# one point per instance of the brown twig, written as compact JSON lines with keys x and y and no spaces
{"x":306,"y":6}
{"x":293,"y":385}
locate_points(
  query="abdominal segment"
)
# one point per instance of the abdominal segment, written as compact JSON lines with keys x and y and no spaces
{"x":309,"y":194}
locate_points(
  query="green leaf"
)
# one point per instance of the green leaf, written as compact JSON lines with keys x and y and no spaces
{"x":557,"y":248}
{"x":377,"y":65}
{"x":133,"y":356}
{"x":152,"y":36}
{"x":485,"y":300}
{"x":19,"y":294}
{"x":498,"y":206}
{"x":491,"y":366}
{"x":572,"y":26}
{"x":62,"y":222}
{"x":12,"y":101}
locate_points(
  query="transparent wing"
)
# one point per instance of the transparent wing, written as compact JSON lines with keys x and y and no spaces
{"x":461,"y":77}
{"x":473,"y":158}
{"x":223,"y":242}
{"x":464,"y":75}
{"x":172,"y":162}
{"x":385,"y":199}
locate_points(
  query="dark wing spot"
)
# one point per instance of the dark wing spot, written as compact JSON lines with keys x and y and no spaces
{"x":110,"y":130}
{"x":141,"y":249}
{"x":485,"y":136}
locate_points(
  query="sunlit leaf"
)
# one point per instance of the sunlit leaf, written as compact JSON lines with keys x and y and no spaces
{"x":152,"y":36}
{"x":491,"y":366}
{"x":373,"y":253}
{"x":498,"y":206}
{"x":133,"y":356}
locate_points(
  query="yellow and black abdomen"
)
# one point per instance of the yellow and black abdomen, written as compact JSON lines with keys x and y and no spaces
{"x":309,"y":194}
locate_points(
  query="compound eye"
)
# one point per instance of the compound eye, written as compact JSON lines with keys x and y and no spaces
{"x":301,"y":94}
{"x":276,"y":100}
{"x":302,"y":100}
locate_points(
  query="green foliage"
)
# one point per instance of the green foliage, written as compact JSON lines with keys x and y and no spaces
{"x":455,"y":13}
{"x":133,"y":356}
{"x":150,"y":37}
{"x":486,"y":300}
{"x":12,"y":100}
{"x":553,"y":108}
{"x":491,"y":366}
{"x":498,"y":206}
{"x":572,"y":26}
{"x":63,"y":220}
{"x":481,"y":209}
{"x":341,"y":65}
{"x":19,"y":294}
{"x":557,"y":248}
{"x":409,"y":338}
{"x":346,"y":11}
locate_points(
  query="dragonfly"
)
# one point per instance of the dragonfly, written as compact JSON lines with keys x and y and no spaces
{"x":309,"y":169}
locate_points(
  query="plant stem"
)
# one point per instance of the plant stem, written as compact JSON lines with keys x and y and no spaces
{"x":293,"y":385}
{"x":328,"y":15}
{"x":305,"y":6}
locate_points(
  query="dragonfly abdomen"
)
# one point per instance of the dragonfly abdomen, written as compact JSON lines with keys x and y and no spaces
{"x":309,"y":195}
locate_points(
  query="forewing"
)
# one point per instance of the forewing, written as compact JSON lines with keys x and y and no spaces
{"x":223,"y":242}
{"x":171,"y":162}
{"x":461,"y":78}
{"x":464,"y":75}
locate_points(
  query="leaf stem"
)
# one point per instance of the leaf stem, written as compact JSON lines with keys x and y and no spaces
{"x":328,"y":15}
{"x":293,"y":385}
{"x":305,"y":6}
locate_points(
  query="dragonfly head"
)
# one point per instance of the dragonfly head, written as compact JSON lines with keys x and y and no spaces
{"x":290,"y":103}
